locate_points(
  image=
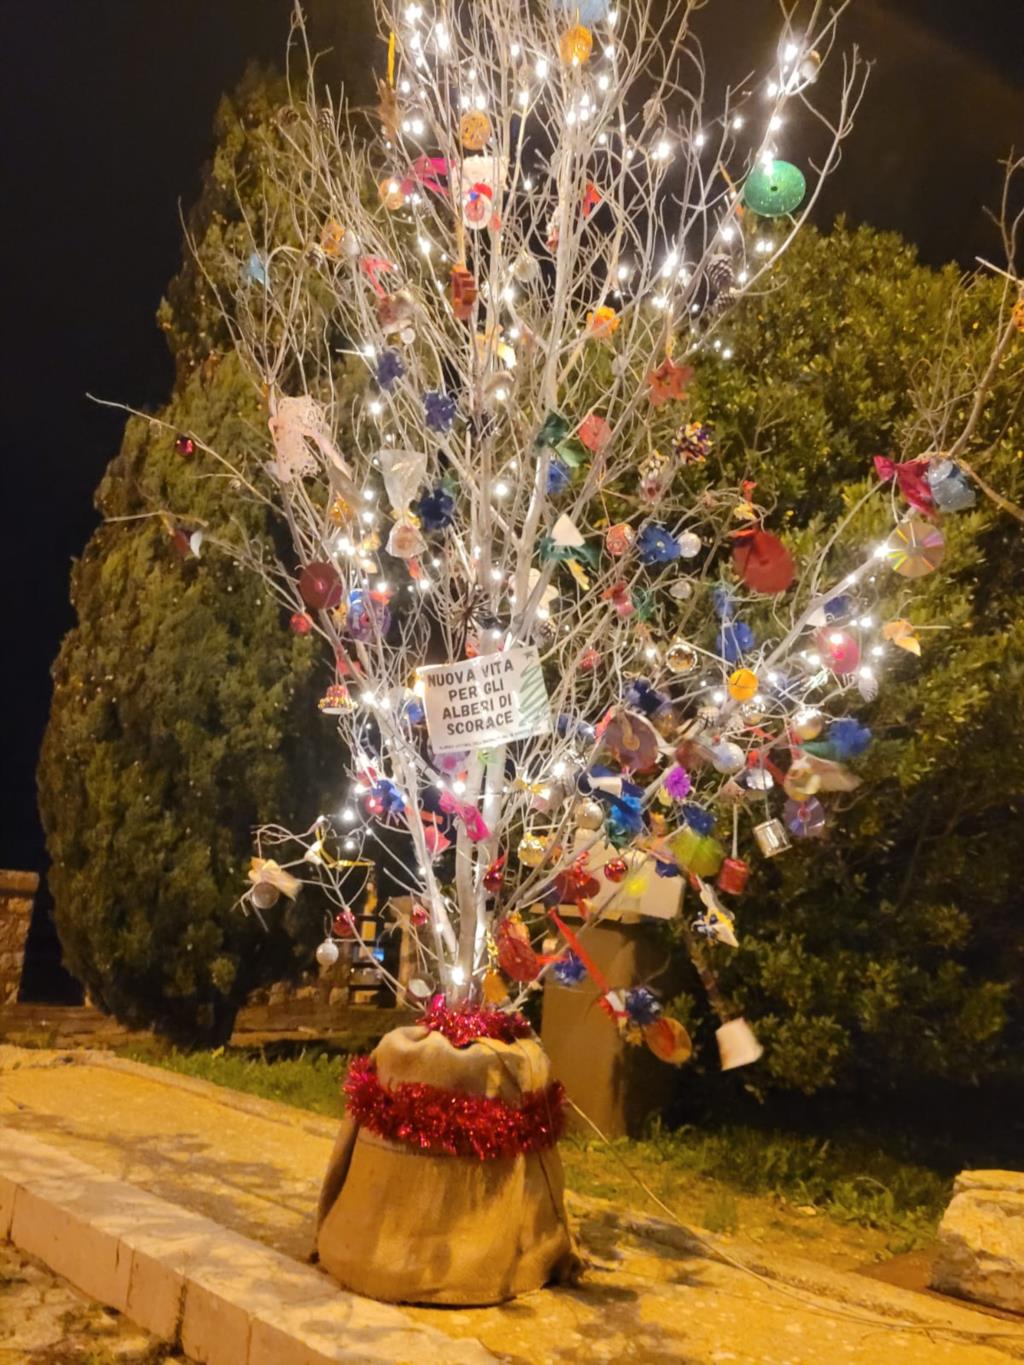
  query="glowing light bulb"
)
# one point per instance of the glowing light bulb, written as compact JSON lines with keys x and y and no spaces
{"x":737,"y":122}
{"x":541,"y":68}
{"x":774,"y":123}
{"x":791,"y":52}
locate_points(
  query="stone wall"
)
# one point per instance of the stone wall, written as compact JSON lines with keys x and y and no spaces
{"x":17,"y":894}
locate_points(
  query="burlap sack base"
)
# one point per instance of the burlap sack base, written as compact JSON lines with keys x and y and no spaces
{"x":410,"y":1227}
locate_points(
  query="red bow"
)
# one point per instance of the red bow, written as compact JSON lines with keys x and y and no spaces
{"x":910,"y":480}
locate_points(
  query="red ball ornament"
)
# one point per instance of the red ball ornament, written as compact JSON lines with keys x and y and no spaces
{"x":616,"y":869}
{"x":320,"y":587}
{"x":184,"y":445}
{"x":300,"y":624}
{"x":763,"y":562}
{"x":839,"y":650}
{"x":494,"y":877}
{"x":342,"y":926}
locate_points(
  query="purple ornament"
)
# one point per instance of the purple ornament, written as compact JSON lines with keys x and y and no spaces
{"x":389,"y":369}
{"x":440,"y":410}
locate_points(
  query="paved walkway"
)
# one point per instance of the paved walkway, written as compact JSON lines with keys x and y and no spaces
{"x":653,"y":1294}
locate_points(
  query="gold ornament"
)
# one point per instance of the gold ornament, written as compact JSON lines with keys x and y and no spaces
{"x":680,"y":657}
{"x":808,"y":723}
{"x":742,"y":684}
{"x":340,"y":512}
{"x":390,"y":193}
{"x":474,"y":130}
{"x":589,"y":815}
{"x":576,"y":45}
{"x":531,"y":851}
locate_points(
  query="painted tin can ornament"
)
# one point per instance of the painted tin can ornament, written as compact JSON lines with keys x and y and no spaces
{"x":771,"y":837}
{"x":733,"y":877}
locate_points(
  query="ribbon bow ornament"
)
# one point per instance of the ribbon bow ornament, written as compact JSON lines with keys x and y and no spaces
{"x":910,"y":480}
{"x":472,"y":821}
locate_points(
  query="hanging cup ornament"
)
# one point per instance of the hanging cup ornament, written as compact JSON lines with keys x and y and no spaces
{"x":336,"y":700}
{"x":737,"y":1045}
{"x":951,"y":491}
{"x":771,"y":837}
{"x":733,"y":876}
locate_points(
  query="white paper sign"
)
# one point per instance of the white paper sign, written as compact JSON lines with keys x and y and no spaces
{"x":482,"y":702}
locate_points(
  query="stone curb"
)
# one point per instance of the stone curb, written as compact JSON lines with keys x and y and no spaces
{"x":227,"y":1300}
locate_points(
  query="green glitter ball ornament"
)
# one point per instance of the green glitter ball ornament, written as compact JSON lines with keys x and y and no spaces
{"x":775,"y":190}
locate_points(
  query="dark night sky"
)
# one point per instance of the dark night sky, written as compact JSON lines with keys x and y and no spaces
{"x":106,"y":123}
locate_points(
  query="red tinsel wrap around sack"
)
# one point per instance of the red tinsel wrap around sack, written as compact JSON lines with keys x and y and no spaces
{"x":404,"y":1217}
{"x":445,"y":1121}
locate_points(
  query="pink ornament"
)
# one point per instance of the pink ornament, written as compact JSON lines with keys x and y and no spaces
{"x":839,"y":650}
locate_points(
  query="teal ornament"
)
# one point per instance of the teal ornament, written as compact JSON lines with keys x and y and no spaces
{"x":554,"y":430}
{"x":773,"y":191}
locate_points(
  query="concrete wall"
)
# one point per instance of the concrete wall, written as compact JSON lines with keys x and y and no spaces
{"x":17,"y":895}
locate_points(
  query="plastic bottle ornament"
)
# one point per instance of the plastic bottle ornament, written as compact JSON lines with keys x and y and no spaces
{"x":390,"y":194}
{"x":299,"y":623}
{"x":806,"y":819}
{"x":802,"y":780}
{"x":328,"y":953}
{"x":589,"y":815}
{"x":742,"y":684}
{"x":668,"y":1040}
{"x":576,"y":45}
{"x":265,"y":895}
{"x":808,"y":723}
{"x":474,"y":130}
{"x":531,"y":851}
{"x":840,"y":651}
{"x":184,"y":446}
{"x":727,"y":758}
{"x":733,"y":876}
{"x":951,"y":491}
{"x":690,"y":544}
{"x":915,"y":548}
{"x":320,"y":587}
{"x":737,"y":1044}
{"x":774,"y":190}
{"x":771,"y":837}
{"x":680,"y":657}
{"x":616,"y":870}
{"x":700,"y":854}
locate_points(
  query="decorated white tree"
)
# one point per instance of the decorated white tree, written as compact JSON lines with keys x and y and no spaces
{"x":562,"y":650}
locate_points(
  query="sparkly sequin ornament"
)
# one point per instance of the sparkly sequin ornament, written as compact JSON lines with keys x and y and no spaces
{"x":335,"y":701}
{"x":618,"y":539}
{"x":531,"y":851}
{"x":775,"y":189}
{"x":692,"y":443}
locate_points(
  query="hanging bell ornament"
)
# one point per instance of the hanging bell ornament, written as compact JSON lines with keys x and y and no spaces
{"x":733,"y":877}
{"x":531,"y":851}
{"x":328,"y":953}
{"x":589,"y":815}
{"x":771,"y":837}
{"x":680,"y":657}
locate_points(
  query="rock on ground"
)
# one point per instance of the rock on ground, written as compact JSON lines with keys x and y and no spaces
{"x":981,"y":1240}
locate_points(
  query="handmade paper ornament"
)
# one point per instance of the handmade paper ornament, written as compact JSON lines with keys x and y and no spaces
{"x":737,"y":1045}
{"x":950,"y":488}
{"x":742,"y":684}
{"x":771,"y":837}
{"x":775,"y":189}
{"x":462,"y":292}
{"x":668,"y":382}
{"x":439,"y":409}
{"x":680,"y":657}
{"x":668,"y":1040}
{"x":298,"y":426}
{"x":618,"y":539}
{"x":716,"y":923}
{"x":733,"y":876}
{"x":806,"y":819}
{"x":389,"y":369}
{"x":840,"y":651}
{"x":692,"y":443}
{"x":391,"y":194}
{"x":481,"y":179}
{"x":332,"y":237}
{"x":474,"y":130}
{"x":901,"y":633}
{"x":404,"y":472}
{"x":576,"y":45}
{"x":763,"y":562}
{"x":594,"y":432}
{"x":320,"y":587}
{"x":328,"y":953}
{"x":802,"y":780}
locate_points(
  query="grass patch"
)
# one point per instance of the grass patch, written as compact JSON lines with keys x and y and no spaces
{"x":850,"y":1180}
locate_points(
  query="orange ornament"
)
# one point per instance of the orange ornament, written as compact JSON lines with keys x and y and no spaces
{"x":576,"y":45}
{"x":474,"y":130}
{"x":742,"y":684}
{"x":462,"y":292}
{"x":390,"y":193}
{"x":602,"y":323}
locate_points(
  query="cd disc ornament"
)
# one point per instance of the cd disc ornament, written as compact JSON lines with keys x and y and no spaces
{"x":774,"y":190}
{"x":915,"y":548}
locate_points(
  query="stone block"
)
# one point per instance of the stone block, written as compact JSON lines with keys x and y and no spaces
{"x":981,"y":1240}
{"x":64,"y":1238}
{"x":354,"y":1330}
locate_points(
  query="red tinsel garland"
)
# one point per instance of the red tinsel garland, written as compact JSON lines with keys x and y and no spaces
{"x":451,"y":1123}
{"x":464,"y":1024}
